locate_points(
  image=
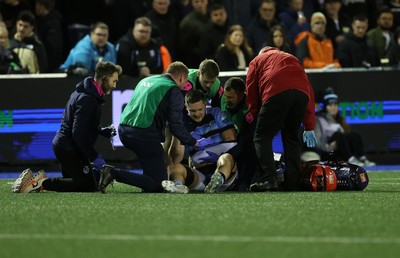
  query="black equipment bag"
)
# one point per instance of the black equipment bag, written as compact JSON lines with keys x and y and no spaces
{"x":350,"y":177}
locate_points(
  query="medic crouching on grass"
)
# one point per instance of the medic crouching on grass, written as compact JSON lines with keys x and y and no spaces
{"x":73,"y":143}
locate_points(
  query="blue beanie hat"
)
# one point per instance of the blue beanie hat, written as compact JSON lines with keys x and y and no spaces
{"x":330,"y":97}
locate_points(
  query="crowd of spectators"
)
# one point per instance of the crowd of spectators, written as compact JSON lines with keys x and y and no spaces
{"x":144,"y":36}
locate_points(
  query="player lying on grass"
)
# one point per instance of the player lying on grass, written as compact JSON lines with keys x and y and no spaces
{"x":211,"y":168}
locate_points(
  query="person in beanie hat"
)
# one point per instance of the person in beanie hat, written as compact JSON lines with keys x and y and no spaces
{"x":313,"y":48}
{"x":335,"y":135}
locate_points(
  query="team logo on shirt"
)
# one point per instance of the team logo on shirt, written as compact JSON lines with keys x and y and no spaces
{"x":86,"y":169}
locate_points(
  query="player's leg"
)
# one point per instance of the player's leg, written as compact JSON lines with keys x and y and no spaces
{"x":167,"y":145}
{"x":225,"y":168}
{"x":177,"y":179}
{"x":291,"y":140}
{"x":176,"y":151}
{"x":269,"y":122}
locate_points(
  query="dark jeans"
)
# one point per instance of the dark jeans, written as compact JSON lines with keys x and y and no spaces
{"x":152,"y":159}
{"x":284,"y":112}
{"x":77,"y":174}
{"x":348,"y":145}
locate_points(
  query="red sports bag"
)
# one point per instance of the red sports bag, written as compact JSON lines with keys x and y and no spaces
{"x":317,"y":177}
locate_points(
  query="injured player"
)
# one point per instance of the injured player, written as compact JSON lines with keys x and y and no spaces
{"x":210,"y":168}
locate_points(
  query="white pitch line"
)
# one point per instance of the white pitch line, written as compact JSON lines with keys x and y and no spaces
{"x":386,"y":179}
{"x":194,"y":238}
{"x":382,"y":183}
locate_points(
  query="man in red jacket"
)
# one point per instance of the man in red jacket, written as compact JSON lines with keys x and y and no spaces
{"x":280,"y":97}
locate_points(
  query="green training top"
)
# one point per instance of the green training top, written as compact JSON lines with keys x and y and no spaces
{"x":238,"y":116}
{"x":143,"y":105}
{"x":192,"y":80}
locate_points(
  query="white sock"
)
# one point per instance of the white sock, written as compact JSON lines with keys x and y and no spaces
{"x":177,"y":182}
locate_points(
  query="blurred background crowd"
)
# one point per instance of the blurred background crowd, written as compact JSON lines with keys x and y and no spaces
{"x":145,"y":36}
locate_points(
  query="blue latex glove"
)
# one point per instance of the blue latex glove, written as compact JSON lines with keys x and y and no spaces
{"x":309,"y":138}
{"x":108,"y":131}
{"x":205,"y":142}
{"x":211,"y":158}
{"x":196,"y":136}
{"x":99,"y":162}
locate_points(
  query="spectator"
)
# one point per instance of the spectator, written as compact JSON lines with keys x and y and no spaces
{"x":9,"y":61}
{"x":235,"y":54}
{"x":278,"y":39}
{"x":394,"y":6}
{"x":257,"y":33}
{"x":10,"y":10}
{"x":138,"y":54}
{"x":356,"y":50}
{"x":309,"y":6}
{"x":142,"y":126}
{"x":165,"y":25}
{"x":334,"y":134}
{"x":80,"y":15}
{"x":294,"y":20}
{"x":240,"y":11}
{"x":191,"y":30}
{"x":212,"y":168}
{"x":183,"y":7}
{"x":27,"y":41}
{"x":49,"y":31}
{"x":121,"y":14}
{"x":337,"y":22}
{"x":90,"y":50}
{"x":365,"y":8}
{"x":383,"y":39}
{"x":314,"y":50}
{"x":214,"y":32}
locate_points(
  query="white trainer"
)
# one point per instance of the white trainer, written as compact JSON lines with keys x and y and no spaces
{"x":23,"y":178}
{"x":35,"y":184}
{"x":215,"y":182}
{"x":368,"y":163}
{"x":171,"y":187}
{"x":353,"y":160}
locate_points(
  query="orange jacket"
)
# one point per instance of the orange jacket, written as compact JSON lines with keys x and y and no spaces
{"x":320,"y":52}
{"x":165,"y":57}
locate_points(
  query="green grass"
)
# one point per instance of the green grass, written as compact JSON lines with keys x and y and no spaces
{"x":126,"y":223}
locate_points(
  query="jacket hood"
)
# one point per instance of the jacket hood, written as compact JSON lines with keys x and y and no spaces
{"x":87,"y":86}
